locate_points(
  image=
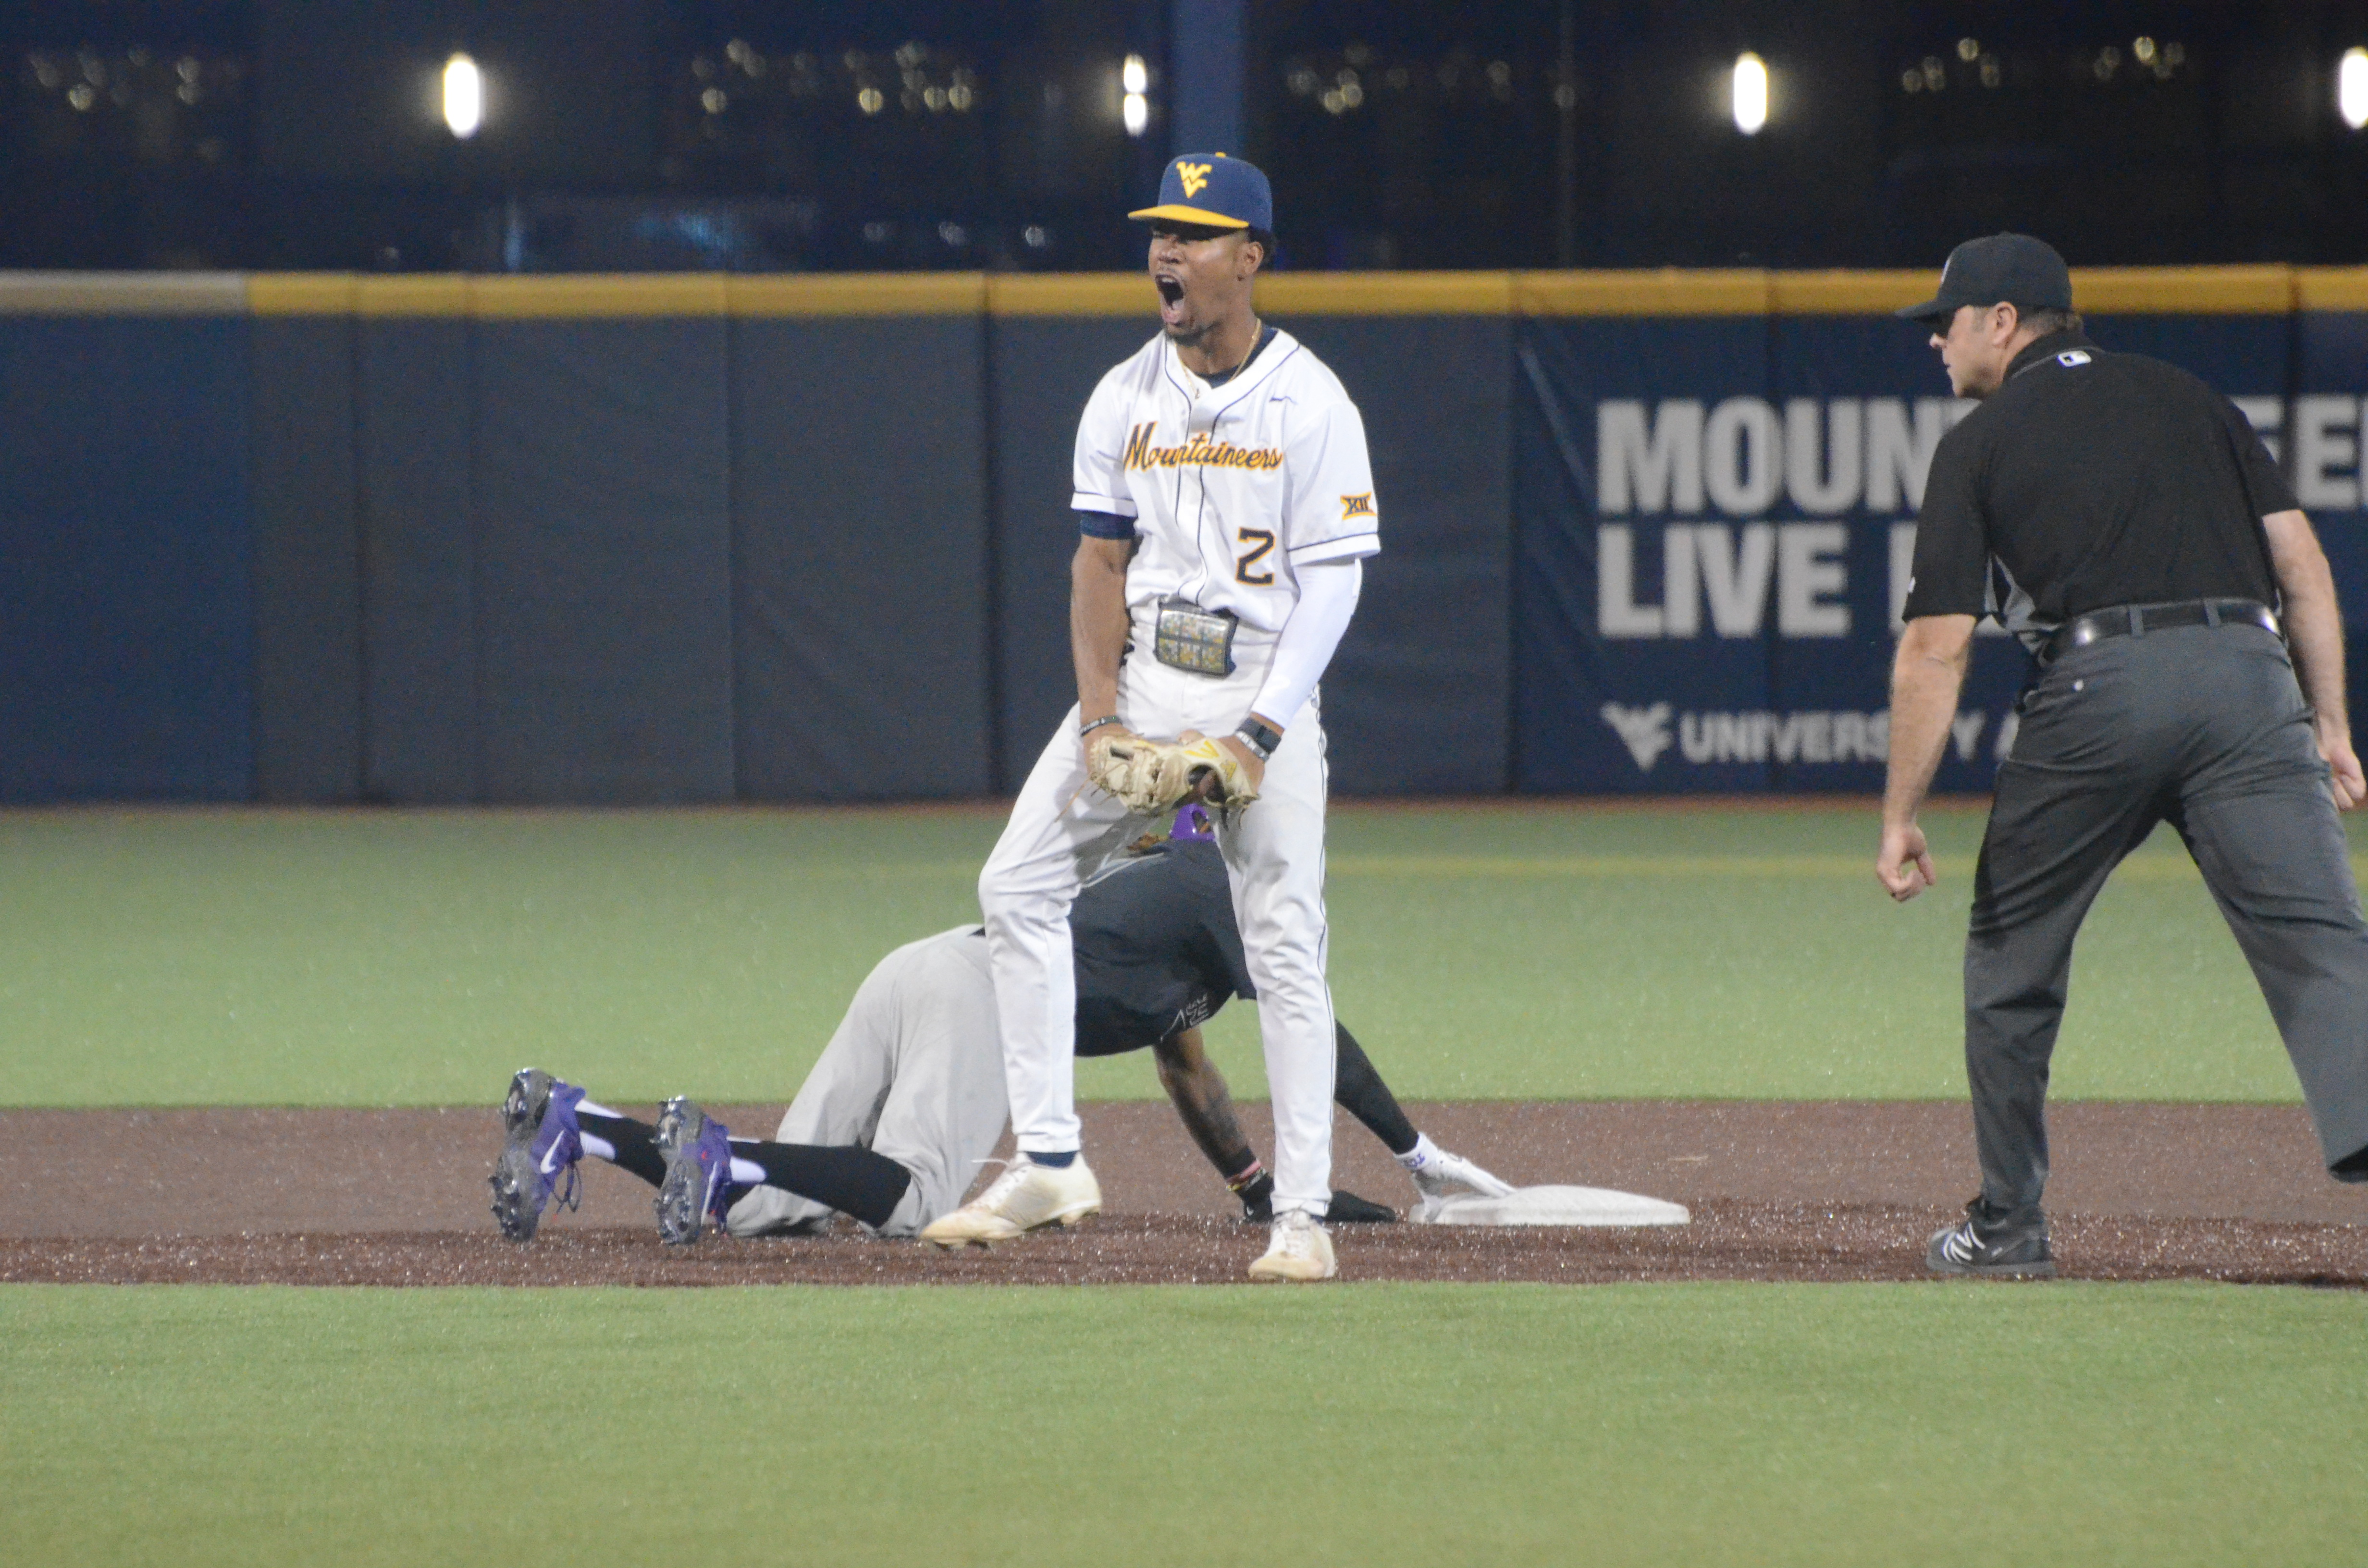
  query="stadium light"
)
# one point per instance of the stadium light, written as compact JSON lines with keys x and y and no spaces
{"x":1135,"y":77}
{"x":1750,"y":93}
{"x":464,"y":96}
{"x":2351,"y":88}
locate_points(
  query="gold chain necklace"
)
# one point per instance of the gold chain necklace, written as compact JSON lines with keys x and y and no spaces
{"x":1257,"y":332}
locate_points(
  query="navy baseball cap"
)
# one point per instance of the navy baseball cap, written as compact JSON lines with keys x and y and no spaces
{"x":1213,"y":191}
{"x":2011,"y":270}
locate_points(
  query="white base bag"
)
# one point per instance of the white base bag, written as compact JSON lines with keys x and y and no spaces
{"x":1559,"y":1206}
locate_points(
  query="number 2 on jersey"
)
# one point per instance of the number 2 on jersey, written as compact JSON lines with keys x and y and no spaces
{"x":1261,"y":542}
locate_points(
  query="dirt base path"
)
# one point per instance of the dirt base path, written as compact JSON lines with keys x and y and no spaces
{"x":1799,"y":1190}
{"x":1728,"y":1240}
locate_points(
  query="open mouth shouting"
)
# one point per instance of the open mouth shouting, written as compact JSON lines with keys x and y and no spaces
{"x":1171,"y":298}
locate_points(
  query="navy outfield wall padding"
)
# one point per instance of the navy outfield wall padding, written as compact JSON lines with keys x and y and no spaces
{"x":126,"y":613}
{"x":861,"y":557}
{"x":573,"y":545}
{"x":1040,"y":371}
{"x":1418,"y":700}
{"x":308,"y":636}
{"x":604,"y":561}
{"x":2244,"y":356}
{"x":414,"y":435}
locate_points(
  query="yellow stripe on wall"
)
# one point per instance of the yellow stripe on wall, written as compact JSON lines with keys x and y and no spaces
{"x":1070,"y":294}
{"x":2331,"y":288}
{"x":303,"y":294}
{"x":2166,"y":290}
{"x":412,"y":294}
{"x":1667,"y":292}
{"x":1848,"y":293}
{"x":122,"y":294}
{"x":597,"y":296}
{"x":1387,"y":293}
{"x":857,"y":294}
{"x":2184,"y":290}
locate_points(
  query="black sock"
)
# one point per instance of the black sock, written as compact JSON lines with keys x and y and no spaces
{"x":636,"y":1144}
{"x":1361,"y":1092}
{"x":851,"y":1180}
{"x":1059,"y":1161}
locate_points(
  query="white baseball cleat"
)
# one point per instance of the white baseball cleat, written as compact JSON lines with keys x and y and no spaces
{"x":1025,"y":1197}
{"x":1444,"y":1175}
{"x":1300,"y":1250}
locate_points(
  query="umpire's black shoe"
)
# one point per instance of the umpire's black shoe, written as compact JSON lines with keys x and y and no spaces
{"x":1977,"y":1244}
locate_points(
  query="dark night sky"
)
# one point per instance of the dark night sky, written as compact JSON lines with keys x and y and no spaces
{"x":312,"y":141}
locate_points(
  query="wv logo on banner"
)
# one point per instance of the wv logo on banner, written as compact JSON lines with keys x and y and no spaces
{"x":1644,"y":731}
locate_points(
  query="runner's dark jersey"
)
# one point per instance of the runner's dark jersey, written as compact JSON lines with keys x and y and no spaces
{"x":1156,"y":947}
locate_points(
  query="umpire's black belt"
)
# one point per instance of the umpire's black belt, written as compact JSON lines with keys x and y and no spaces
{"x":2136,"y":620}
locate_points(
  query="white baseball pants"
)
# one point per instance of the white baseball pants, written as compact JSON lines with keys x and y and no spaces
{"x":1059,"y":829}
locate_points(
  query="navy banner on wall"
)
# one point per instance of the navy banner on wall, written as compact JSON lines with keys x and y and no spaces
{"x":2324,"y":439}
{"x":1716,"y":523}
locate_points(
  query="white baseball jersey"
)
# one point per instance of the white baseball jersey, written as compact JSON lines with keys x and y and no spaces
{"x":1233,"y":489}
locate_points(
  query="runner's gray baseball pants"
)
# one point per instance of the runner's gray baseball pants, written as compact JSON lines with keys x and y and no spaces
{"x":915,"y":1072}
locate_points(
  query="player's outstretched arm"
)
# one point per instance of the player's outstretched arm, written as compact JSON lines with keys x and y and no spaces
{"x":1199,"y":1093}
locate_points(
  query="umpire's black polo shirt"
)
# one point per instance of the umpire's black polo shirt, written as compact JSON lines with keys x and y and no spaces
{"x":2091,"y":479}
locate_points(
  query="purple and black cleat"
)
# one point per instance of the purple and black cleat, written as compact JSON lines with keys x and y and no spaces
{"x":538,"y":1162}
{"x":698,"y":1184}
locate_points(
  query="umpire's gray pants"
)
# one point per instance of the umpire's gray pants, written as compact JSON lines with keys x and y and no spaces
{"x":2203,"y":727}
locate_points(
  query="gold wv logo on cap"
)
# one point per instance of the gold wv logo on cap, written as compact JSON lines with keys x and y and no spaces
{"x":1194,"y":177}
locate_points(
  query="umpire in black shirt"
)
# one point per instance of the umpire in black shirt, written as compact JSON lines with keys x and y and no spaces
{"x":2123,"y":518}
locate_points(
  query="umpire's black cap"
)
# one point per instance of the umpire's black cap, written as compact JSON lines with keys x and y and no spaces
{"x":2009,"y":269}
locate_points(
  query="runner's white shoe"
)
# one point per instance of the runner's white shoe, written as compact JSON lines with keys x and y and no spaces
{"x":1299,"y":1250}
{"x":1025,"y":1197}
{"x":1443,"y":1175}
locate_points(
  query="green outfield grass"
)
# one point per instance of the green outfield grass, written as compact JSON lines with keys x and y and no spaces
{"x":1195,"y":1427}
{"x":362,"y":958}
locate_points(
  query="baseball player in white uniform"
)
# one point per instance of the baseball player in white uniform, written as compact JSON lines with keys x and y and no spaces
{"x":1225,"y":501}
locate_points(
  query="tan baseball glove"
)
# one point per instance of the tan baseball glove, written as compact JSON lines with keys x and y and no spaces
{"x":1153,"y":776}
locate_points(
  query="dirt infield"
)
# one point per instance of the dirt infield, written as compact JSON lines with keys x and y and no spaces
{"x":1812,"y":1190}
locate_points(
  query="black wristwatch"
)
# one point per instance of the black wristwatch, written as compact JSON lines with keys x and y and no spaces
{"x":1258,"y":738}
